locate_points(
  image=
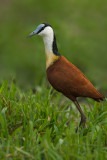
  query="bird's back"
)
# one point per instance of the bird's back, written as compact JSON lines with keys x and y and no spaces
{"x":68,"y":79}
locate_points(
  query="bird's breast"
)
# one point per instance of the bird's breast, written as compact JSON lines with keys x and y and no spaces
{"x":50,"y":59}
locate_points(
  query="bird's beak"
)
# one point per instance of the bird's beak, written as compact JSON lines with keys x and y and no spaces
{"x":33,"y":33}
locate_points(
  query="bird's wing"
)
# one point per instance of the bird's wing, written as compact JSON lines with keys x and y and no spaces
{"x":68,"y":79}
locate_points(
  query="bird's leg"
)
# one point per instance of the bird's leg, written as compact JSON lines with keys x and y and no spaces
{"x":83,"y":117}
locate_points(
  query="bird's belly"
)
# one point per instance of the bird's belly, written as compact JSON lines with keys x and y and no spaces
{"x":61,"y":84}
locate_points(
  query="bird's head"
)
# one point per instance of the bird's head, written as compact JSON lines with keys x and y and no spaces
{"x":43,"y":30}
{"x":46,"y":32}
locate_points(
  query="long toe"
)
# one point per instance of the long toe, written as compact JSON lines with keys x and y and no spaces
{"x":82,"y":124}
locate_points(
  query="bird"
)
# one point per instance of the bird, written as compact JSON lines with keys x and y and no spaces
{"x":64,"y":76}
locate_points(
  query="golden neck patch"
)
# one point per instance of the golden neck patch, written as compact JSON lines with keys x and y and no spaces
{"x":50,"y":59}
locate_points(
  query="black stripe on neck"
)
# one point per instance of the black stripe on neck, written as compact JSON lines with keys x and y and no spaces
{"x":54,"y":47}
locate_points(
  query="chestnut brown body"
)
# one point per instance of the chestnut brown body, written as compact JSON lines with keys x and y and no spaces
{"x":69,"y":80}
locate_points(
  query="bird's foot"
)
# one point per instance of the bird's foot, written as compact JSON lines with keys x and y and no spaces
{"x":82,"y":123}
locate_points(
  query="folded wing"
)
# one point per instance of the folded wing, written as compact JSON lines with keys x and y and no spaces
{"x":68,"y":79}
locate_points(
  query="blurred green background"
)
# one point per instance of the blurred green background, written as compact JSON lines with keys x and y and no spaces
{"x":81,"y":32}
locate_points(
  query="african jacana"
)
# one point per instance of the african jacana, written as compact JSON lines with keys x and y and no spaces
{"x":63,"y":75}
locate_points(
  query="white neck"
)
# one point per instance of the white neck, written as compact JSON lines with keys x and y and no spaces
{"x":48,"y":38}
{"x":50,"y":56}
{"x":48,"y":42}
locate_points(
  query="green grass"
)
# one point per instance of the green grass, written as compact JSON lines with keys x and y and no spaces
{"x":41,"y":126}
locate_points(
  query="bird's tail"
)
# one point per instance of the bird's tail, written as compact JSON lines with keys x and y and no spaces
{"x":101,"y":98}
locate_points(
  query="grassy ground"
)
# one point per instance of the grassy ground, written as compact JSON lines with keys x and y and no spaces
{"x":41,"y":126}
